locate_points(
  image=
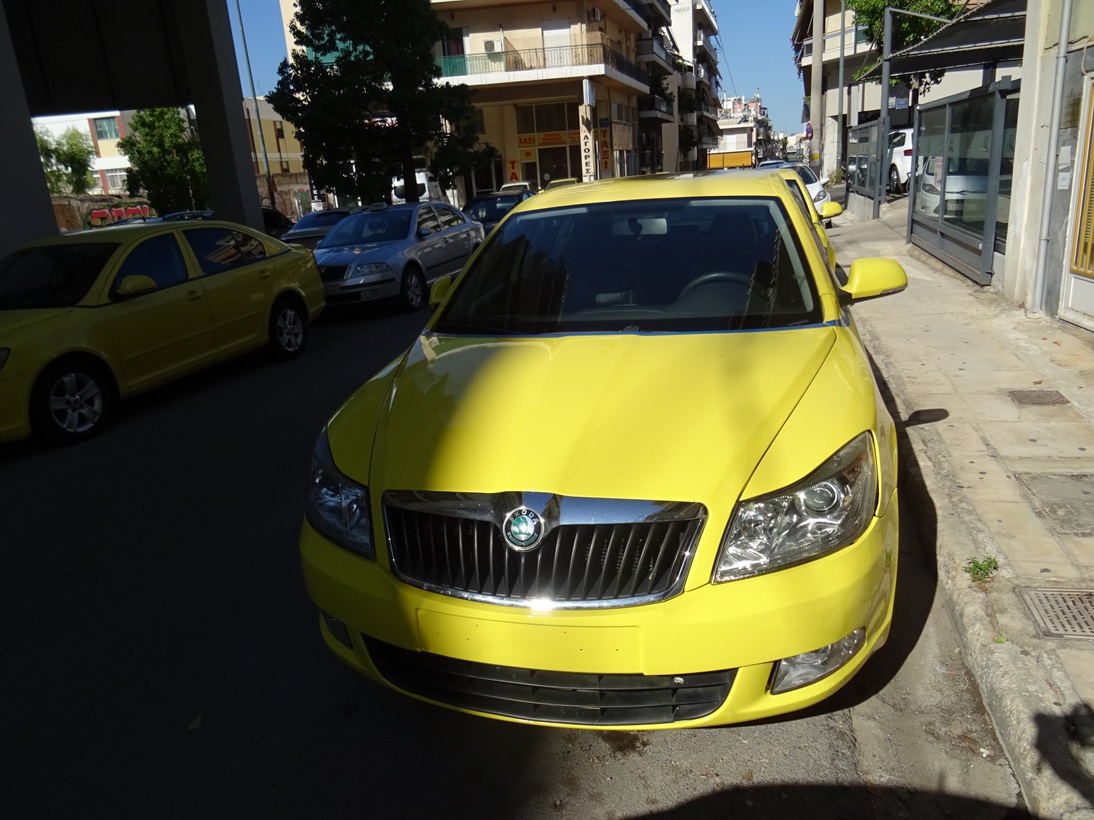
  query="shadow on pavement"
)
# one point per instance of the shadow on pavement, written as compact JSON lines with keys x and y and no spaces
{"x":1066,"y":743}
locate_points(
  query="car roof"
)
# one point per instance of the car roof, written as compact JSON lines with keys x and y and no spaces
{"x":735,"y":183}
{"x":119,"y":234}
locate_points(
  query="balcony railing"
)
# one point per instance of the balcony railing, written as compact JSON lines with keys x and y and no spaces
{"x":650,"y":46}
{"x":703,"y":40}
{"x":704,"y":7}
{"x":653,"y":103}
{"x":538,"y":59}
{"x":855,"y":37}
{"x":663,"y":6}
{"x":638,"y":6}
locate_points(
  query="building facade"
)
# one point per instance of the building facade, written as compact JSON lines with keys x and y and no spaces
{"x":104,"y":129}
{"x":581,"y":90}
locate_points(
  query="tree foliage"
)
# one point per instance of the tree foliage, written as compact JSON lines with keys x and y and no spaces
{"x":907,"y":29}
{"x":168,"y":163}
{"x":67,"y":161}
{"x":361,"y":90}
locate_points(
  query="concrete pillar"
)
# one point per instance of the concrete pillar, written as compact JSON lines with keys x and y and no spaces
{"x":29,"y":214}
{"x":218,"y":99}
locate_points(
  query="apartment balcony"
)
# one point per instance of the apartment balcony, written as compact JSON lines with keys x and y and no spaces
{"x":653,"y":55}
{"x":687,"y":80}
{"x":704,"y":15}
{"x":702,"y":74}
{"x":854,"y":42}
{"x":634,"y":11}
{"x":652,"y":107}
{"x":688,"y":117}
{"x":660,"y":12}
{"x":705,"y":109}
{"x":509,"y":66}
{"x":704,"y":43}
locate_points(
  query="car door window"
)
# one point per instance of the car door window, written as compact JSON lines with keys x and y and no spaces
{"x":221,"y":249}
{"x":158,"y":257}
{"x":449,"y":217}
{"x":427,"y":219}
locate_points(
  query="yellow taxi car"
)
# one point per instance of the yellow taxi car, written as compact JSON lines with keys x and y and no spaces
{"x":629,"y":475}
{"x":92,"y":317}
{"x":827,"y":212}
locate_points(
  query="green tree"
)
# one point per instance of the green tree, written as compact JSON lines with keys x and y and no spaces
{"x":907,"y":30}
{"x":67,"y":161}
{"x":361,"y":90}
{"x":167,"y":161}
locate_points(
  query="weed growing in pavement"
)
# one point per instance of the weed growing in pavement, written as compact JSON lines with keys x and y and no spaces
{"x":981,"y":569}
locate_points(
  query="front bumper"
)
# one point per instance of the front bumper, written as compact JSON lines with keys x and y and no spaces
{"x":741,"y":628}
{"x":14,"y":404}
{"x":362,"y":289}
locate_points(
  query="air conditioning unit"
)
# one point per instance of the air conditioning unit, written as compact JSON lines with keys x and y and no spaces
{"x":492,"y":46}
{"x":595,"y":14}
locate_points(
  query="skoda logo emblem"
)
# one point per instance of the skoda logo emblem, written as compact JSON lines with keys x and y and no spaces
{"x":522,"y":528}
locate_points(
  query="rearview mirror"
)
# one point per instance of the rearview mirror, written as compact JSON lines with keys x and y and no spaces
{"x":439,"y":291}
{"x":135,"y":284}
{"x":830,"y":209}
{"x":871,"y":278}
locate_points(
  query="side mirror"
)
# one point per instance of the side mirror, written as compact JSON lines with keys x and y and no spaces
{"x":439,"y":291}
{"x":830,"y":209}
{"x":136,"y":284}
{"x":824,"y":181}
{"x":871,"y":278}
{"x":424,"y":231}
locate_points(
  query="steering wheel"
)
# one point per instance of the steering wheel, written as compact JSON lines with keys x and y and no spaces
{"x":716,"y":276}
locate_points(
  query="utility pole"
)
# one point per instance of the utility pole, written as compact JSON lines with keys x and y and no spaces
{"x":258,"y":114}
{"x":816,"y":90}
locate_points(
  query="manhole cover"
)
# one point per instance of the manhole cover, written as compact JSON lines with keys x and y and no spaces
{"x":1038,"y":397}
{"x":1061,"y":613}
{"x":1065,"y":500}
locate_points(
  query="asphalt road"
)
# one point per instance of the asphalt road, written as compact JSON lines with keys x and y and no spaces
{"x":159,"y":657}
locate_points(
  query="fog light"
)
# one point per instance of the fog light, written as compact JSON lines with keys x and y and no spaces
{"x":808,"y":667}
{"x":337,"y":629}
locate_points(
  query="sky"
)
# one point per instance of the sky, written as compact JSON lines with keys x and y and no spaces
{"x":753,"y":52}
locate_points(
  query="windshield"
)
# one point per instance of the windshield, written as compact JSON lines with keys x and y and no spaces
{"x":54,"y":276}
{"x":808,"y":177}
{"x":366,"y":228}
{"x":650,"y":265}
{"x":319,"y":219}
{"x":491,"y":209}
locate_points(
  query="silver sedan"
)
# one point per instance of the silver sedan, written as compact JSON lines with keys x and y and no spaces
{"x":394,"y":252}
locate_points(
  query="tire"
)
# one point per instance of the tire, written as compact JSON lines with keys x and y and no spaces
{"x":72,"y":401}
{"x":288,"y":328}
{"x":412,"y":293}
{"x":894,"y":181}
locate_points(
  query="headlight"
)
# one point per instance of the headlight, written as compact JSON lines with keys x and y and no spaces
{"x":367,"y":269}
{"x":823,"y":512}
{"x":4,"y":353}
{"x":820,"y":195}
{"x":336,"y":505}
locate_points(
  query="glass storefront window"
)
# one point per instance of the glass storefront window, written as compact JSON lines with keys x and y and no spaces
{"x":1006,"y":168}
{"x":931,"y":147}
{"x":526,"y":119}
{"x":551,"y":117}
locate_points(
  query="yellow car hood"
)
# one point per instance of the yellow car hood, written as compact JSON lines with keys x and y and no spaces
{"x":683,"y":417}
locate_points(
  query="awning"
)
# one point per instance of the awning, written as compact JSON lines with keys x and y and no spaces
{"x":991,"y":34}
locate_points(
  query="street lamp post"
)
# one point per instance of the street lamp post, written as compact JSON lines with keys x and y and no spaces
{"x":258,"y":114}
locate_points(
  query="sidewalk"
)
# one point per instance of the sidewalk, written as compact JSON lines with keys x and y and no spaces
{"x":998,"y":461}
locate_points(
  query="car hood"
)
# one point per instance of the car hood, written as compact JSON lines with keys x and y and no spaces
{"x":345,"y":255}
{"x":13,"y":320}
{"x":658,"y":417}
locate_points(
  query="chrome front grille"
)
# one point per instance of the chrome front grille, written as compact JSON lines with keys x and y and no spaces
{"x":593,"y":552}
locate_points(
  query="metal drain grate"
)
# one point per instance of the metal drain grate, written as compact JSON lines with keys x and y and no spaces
{"x":1039,"y":397}
{"x":1061,"y":613}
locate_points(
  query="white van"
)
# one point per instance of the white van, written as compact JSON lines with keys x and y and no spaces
{"x":428,"y":189}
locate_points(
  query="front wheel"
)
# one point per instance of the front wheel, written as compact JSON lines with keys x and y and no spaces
{"x":288,"y":328}
{"x":412,"y":292}
{"x":72,"y":401}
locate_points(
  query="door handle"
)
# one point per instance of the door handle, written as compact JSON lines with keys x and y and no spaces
{"x":264,"y":274}
{"x":194,"y":295}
